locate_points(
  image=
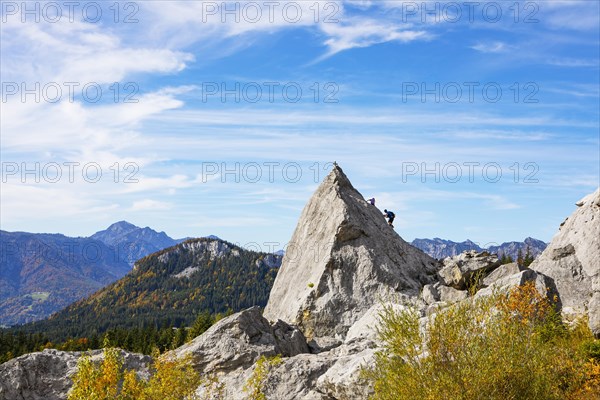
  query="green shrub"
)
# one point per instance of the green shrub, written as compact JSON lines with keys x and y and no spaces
{"x":591,"y":349}
{"x":497,"y":347}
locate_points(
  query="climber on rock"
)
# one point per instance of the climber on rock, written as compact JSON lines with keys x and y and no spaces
{"x":372,"y":201}
{"x":390,"y":216}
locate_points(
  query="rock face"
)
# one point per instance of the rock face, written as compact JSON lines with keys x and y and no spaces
{"x":572,"y":260}
{"x":47,"y":375}
{"x":239,"y":340}
{"x":459,"y":270}
{"x":342,"y":259}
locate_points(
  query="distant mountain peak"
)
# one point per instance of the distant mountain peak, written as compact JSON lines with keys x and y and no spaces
{"x":122,"y":226}
{"x":133,"y":242}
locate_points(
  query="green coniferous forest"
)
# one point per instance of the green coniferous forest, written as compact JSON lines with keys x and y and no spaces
{"x":188,"y":285}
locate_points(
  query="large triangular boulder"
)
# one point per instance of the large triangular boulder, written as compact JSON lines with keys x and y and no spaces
{"x":572,"y":260}
{"x":343,"y":259}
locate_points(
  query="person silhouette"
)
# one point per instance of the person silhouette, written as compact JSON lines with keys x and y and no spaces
{"x":390,"y":217}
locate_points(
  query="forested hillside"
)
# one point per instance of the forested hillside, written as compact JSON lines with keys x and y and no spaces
{"x":170,"y":288}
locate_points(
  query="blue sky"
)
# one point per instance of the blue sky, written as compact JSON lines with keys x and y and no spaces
{"x":469,"y":121}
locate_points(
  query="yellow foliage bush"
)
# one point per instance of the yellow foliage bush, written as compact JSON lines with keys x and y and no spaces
{"x":498,"y":347}
{"x":255,"y":385}
{"x":107,"y":380}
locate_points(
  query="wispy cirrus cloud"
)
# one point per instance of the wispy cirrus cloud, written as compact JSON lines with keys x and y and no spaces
{"x":492,"y":47}
{"x":362,"y":33}
{"x":574,"y":62}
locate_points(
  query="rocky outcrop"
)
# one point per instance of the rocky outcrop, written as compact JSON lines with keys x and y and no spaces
{"x":239,"y":340}
{"x":47,"y":375}
{"x":343,"y":258}
{"x":501,"y":272}
{"x":543,"y":284}
{"x":459,"y":271}
{"x":572,"y":260}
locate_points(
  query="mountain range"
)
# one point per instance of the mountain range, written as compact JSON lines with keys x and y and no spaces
{"x":42,"y":273}
{"x":170,"y":288}
{"x":319,"y":331}
{"x":440,"y":248}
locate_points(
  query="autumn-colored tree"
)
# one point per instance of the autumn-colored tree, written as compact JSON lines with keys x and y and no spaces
{"x":107,"y":380}
{"x":97,"y":381}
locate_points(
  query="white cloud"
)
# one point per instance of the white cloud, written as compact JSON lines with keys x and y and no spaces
{"x":148,"y":204}
{"x":576,"y":15}
{"x":363,"y":32}
{"x":493,"y":47}
{"x":573,"y":62}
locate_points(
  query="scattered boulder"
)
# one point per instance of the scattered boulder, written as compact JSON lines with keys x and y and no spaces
{"x":458,"y":271}
{"x":239,"y":340}
{"x":450,"y":295}
{"x":543,"y":284}
{"x":344,"y":380}
{"x":47,"y":375}
{"x":501,"y":272}
{"x":594,"y":313}
{"x":430,"y":293}
{"x":572,"y":260}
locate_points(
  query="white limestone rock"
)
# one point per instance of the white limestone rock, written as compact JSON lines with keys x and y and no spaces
{"x":343,"y":259}
{"x":572,"y":260}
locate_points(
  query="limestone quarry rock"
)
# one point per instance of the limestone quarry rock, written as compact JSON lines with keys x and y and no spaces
{"x":572,"y":260}
{"x":459,"y":270}
{"x":239,"y":340}
{"x":47,"y":375}
{"x":343,"y":258}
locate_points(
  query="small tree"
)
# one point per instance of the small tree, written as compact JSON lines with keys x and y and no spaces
{"x":107,"y":380}
{"x":528,"y":258}
{"x":520,"y":257}
{"x":201,"y":325}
